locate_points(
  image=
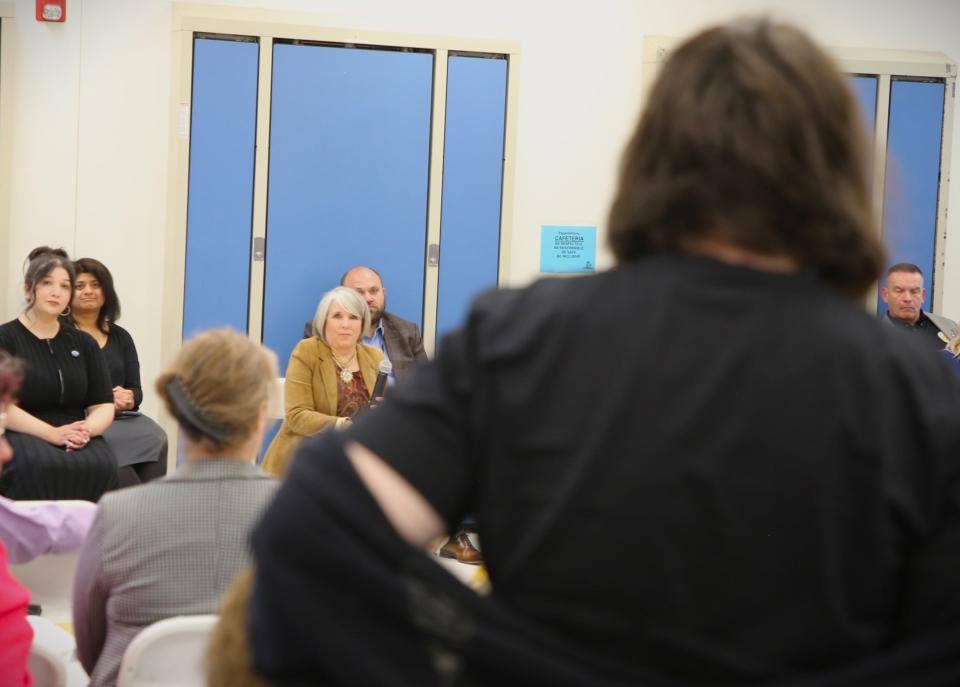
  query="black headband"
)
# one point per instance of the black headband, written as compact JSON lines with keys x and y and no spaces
{"x":187,"y":411}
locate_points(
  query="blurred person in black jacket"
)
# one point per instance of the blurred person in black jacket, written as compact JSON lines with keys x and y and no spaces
{"x":706,"y":466}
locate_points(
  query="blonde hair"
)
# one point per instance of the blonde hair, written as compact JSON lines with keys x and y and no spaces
{"x":349,"y":300}
{"x":229,"y":658}
{"x":216,"y":386}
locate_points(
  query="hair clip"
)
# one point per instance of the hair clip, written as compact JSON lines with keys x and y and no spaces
{"x":190,"y":415}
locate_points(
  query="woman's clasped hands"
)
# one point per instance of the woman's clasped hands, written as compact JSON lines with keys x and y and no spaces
{"x":72,"y":437}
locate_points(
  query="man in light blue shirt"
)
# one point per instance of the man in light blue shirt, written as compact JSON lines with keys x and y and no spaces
{"x":377,"y":341}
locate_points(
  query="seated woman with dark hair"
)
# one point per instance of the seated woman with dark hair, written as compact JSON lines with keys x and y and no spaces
{"x":138,"y":442}
{"x":65,"y":402}
{"x":173,"y":546}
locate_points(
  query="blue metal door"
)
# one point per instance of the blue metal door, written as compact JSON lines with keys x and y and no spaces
{"x":472,"y":184}
{"x":348,"y":170}
{"x":220,"y":187}
{"x":912,"y":181}
{"x":349,"y":162}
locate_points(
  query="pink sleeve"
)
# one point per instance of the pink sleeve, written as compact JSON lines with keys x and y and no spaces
{"x":30,"y":529}
{"x":16,"y":635}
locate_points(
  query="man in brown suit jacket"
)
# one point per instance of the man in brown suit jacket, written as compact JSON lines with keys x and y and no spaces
{"x":398,"y":338}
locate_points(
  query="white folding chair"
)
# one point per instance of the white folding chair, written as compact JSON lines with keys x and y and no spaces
{"x":47,"y":669}
{"x":53,"y":661}
{"x":50,"y":581}
{"x":49,"y":577}
{"x":275,"y":409}
{"x":169,"y":653}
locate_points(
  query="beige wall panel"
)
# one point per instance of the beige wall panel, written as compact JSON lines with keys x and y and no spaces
{"x":7,"y":74}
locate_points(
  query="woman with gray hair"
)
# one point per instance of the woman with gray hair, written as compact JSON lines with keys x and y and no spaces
{"x":330,"y":377}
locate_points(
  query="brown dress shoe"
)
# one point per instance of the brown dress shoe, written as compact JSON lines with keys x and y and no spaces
{"x":462,"y":549}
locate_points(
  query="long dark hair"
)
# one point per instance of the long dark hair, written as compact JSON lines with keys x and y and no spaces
{"x":42,"y":261}
{"x":110,"y":312}
{"x":752,"y":136}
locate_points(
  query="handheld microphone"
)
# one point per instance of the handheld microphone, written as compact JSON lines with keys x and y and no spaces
{"x":385,"y":369}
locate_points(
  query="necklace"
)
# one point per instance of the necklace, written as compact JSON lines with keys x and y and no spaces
{"x":345,"y":375}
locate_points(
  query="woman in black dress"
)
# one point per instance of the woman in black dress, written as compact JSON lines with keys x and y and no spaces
{"x":65,"y":401}
{"x":138,"y":442}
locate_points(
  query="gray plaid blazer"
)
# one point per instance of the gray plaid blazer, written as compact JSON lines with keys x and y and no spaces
{"x":169,"y":547}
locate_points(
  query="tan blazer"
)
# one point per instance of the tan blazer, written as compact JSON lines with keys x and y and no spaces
{"x":310,"y":397}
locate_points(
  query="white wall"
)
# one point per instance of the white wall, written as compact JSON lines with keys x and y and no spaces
{"x":91,"y":106}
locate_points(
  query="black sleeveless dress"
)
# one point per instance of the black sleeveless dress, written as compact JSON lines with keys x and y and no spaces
{"x":64,"y":376}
